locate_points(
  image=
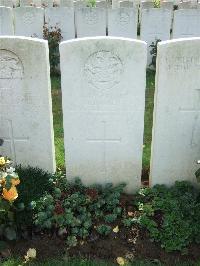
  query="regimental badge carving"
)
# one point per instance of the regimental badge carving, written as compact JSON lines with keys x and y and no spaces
{"x":124,"y":18}
{"x":91,"y":17}
{"x":28,"y":18}
{"x":103,"y":70}
{"x":10,"y":65}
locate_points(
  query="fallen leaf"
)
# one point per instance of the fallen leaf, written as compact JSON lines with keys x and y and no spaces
{"x":116,"y":229}
{"x":120,"y":261}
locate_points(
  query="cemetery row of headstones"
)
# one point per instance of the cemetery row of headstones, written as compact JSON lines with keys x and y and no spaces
{"x":103,"y":101}
{"x":155,"y":24}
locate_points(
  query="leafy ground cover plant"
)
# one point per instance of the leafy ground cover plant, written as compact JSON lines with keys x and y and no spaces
{"x":73,"y":210}
{"x":171,"y":215}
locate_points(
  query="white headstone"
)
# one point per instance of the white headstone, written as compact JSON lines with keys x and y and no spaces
{"x":29,"y":21}
{"x":91,"y":22}
{"x":47,"y":3}
{"x":167,"y":5}
{"x":101,"y":4}
{"x":79,"y":4}
{"x":126,"y":4}
{"x":176,"y":130}
{"x":25,"y":102}
{"x":184,"y":5}
{"x":7,"y":3}
{"x":6,"y":21}
{"x":146,"y":4}
{"x":61,"y":18}
{"x":66,"y":3}
{"x":24,"y":3}
{"x":103,"y":90}
{"x":186,"y":23}
{"x":155,"y":25}
{"x":122,"y":22}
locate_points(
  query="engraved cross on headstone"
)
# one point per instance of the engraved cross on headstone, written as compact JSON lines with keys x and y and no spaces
{"x":11,"y":139}
{"x":104,"y":140}
{"x":196,"y":110}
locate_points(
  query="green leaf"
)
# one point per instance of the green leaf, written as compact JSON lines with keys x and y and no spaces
{"x":10,"y":233}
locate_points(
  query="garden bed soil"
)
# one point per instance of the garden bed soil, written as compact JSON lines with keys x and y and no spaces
{"x":131,"y":243}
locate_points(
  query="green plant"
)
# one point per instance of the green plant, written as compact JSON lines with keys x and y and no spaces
{"x":104,"y":229}
{"x":171,"y":215}
{"x":153,"y":52}
{"x":73,"y":209}
{"x":198,"y":173}
{"x":54,"y":37}
{"x":91,"y":3}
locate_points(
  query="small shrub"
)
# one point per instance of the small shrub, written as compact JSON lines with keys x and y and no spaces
{"x":54,"y":37}
{"x":153,"y":52}
{"x":171,"y":215}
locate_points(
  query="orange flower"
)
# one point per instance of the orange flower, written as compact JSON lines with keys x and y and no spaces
{"x":15,"y":181}
{"x":10,"y":194}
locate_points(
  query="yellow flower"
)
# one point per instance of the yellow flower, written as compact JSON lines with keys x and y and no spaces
{"x":121,"y":261}
{"x":15,"y":181}
{"x":31,"y":253}
{"x":116,"y":229}
{"x":2,"y":161}
{"x":10,"y":194}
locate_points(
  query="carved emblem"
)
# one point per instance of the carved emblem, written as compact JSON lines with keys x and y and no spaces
{"x":124,"y":18}
{"x":103,"y":69}
{"x":10,"y":65}
{"x":91,"y":17}
{"x":28,"y":18}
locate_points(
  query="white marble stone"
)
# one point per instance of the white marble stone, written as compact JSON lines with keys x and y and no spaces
{"x":126,"y":4}
{"x":146,"y":4}
{"x":91,"y":22}
{"x":101,"y":4}
{"x":155,"y":25}
{"x":62,"y":18}
{"x":167,"y":5}
{"x":26,"y":124}
{"x":103,"y":97}
{"x":184,"y":5}
{"x":122,"y":22}
{"x":6,"y":21}
{"x":29,"y":21}
{"x":24,"y":3}
{"x":47,"y":3}
{"x":186,"y":23}
{"x":79,"y":4}
{"x":176,"y":130}
{"x":67,"y":3}
{"x":6,"y":3}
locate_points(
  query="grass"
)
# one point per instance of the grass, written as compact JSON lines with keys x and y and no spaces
{"x":58,"y":119}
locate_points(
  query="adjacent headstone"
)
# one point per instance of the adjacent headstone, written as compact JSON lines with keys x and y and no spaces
{"x":6,"y":21}
{"x":101,"y":4}
{"x":61,"y":18}
{"x":91,"y":22}
{"x":24,"y":3}
{"x":67,"y":3}
{"x":186,"y":23}
{"x":103,"y":90}
{"x":184,"y":5}
{"x":167,"y":5}
{"x":29,"y":21}
{"x":79,"y":4}
{"x":126,"y":4}
{"x":25,"y":103}
{"x":47,"y":3}
{"x":6,"y":3}
{"x":122,"y":22}
{"x":155,"y":25}
{"x":146,"y":4}
{"x":176,"y":130}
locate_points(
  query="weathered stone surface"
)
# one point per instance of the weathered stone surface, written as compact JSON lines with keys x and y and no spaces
{"x":29,"y":21}
{"x":25,"y":102}
{"x":61,"y":18}
{"x":122,"y":22}
{"x":91,"y":22}
{"x":176,"y":130}
{"x":7,"y":3}
{"x":186,"y":23}
{"x":6,"y":21}
{"x":103,"y":95}
{"x":155,"y":25}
